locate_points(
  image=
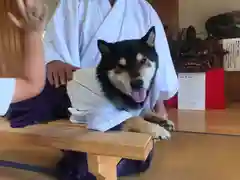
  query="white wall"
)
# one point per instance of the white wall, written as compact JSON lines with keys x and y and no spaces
{"x":196,"y":12}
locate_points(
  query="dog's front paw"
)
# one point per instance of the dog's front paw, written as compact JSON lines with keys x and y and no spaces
{"x":157,"y":132}
{"x":153,"y":129}
{"x":163,"y":134}
{"x":167,"y":124}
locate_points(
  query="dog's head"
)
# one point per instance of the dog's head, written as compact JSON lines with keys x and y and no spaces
{"x":130,"y":65}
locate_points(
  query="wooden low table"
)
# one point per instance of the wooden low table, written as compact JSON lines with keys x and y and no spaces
{"x":104,"y":150}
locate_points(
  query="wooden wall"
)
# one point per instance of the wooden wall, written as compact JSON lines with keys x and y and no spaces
{"x":10,"y":41}
{"x":168,"y":12}
{"x":232,"y":87}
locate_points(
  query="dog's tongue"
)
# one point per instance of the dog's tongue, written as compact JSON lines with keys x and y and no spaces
{"x":139,"y":95}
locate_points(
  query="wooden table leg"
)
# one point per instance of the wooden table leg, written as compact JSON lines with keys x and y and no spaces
{"x":103,"y":167}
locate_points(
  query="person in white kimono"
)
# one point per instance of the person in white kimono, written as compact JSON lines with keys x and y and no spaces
{"x":19,"y":89}
{"x":71,"y":43}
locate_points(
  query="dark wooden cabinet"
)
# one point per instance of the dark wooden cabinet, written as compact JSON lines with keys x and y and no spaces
{"x":232,"y":87}
{"x":168,"y":12}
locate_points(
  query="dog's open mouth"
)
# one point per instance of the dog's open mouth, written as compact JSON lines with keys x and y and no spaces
{"x":139,"y":95}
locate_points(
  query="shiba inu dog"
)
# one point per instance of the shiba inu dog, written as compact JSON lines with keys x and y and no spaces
{"x":124,"y":78}
{"x":126,"y":73}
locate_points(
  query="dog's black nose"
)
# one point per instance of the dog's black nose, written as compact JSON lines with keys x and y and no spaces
{"x":136,"y":84}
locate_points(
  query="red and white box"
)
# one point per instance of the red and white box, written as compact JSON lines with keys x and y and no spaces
{"x":200,"y":91}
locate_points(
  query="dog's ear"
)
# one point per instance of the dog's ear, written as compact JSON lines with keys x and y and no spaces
{"x":104,"y":47}
{"x":149,"y":38}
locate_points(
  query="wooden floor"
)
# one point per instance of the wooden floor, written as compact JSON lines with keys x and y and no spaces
{"x":185,"y":157}
{"x":212,"y":121}
{"x":188,"y":156}
{"x":195,"y":157}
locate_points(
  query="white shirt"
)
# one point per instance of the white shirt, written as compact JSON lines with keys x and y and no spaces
{"x":73,"y":32}
{"x":7,"y":88}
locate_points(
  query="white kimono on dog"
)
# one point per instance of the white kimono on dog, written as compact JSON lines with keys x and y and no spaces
{"x":72,"y":37}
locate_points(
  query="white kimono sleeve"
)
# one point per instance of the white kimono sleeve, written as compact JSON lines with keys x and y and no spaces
{"x":166,"y":79}
{"x":61,"y":39}
{"x":107,"y":117}
{"x":6,"y":93}
{"x":102,"y":119}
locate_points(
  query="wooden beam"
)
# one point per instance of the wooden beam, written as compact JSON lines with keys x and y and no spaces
{"x":63,"y":135}
{"x":103,"y":167}
{"x":168,"y":11}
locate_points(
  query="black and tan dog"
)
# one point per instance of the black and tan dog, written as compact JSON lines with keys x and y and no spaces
{"x":125,"y":76}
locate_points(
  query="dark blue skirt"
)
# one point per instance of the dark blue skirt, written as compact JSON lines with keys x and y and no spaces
{"x":52,"y":104}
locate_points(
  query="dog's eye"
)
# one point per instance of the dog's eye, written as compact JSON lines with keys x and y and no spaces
{"x":119,"y":69}
{"x":143,"y":61}
{"x":120,"y":66}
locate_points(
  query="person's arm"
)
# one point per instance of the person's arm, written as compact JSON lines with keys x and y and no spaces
{"x":166,"y":75}
{"x":34,"y":14}
{"x":34,"y":71}
{"x":166,"y":79}
{"x":61,"y":42}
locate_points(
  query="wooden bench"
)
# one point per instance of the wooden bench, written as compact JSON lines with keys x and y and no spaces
{"x":104,"y":150}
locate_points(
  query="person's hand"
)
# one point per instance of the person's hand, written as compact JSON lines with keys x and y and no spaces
{"x":59,"y":73}
{"x":33,"y":15}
